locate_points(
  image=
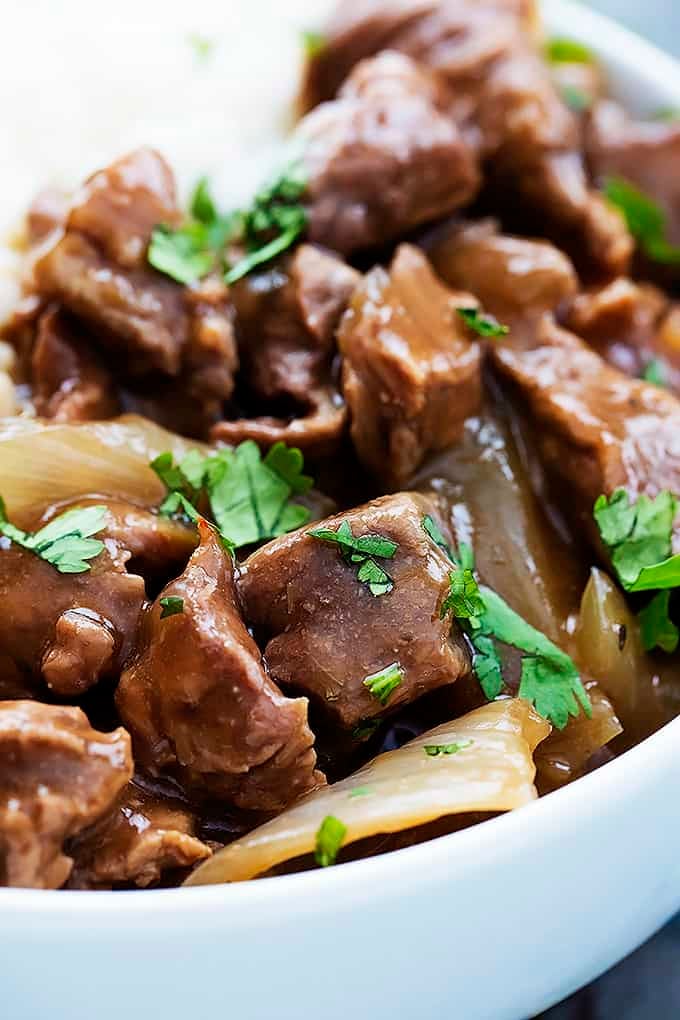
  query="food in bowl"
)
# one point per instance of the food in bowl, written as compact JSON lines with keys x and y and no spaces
{"x":347,"y":519}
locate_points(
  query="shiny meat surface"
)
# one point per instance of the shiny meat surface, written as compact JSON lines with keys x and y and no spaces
{"x":326,"y":633}
{"x":411,"y":373}
{"x":383,"y":158}
{"x":199,"y":703}
{"x":57,"y":776}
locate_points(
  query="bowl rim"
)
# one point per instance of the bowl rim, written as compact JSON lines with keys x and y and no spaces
{"x":460,"y":852}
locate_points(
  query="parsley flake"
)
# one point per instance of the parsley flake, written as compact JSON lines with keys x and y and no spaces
{"x":329,"y":838}
{"x":577,"y":100}
{"x":171,"y":605}
{"x":385,"y":682}
{"x":365,"y":730}
{"x":483,"y":325}
{"x":431,"y":528}
{"x":657,"y":630}
{"x":360,"y":551}
{"x":463,"y":599}
{"x":646,"y":220}
{"x":656,"y":372}
{"x":66,"y":541}
{"x":313,"y":43}
{"x":359,"y":791}
{"x":638,"y":537}
{"x":434,"y":750}
{"x":561,"y":50}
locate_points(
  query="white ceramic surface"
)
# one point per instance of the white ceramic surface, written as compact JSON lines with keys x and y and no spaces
{"x":494,"y":923}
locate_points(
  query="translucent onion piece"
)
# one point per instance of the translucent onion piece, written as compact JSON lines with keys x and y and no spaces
{"x":43,"y":464}
{"x":401,"y":789}
{"x":565,"y":753}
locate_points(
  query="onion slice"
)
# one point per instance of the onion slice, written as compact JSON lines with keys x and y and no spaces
{"x":493,"y":771}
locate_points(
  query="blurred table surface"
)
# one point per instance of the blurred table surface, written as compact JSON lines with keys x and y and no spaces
{"x":646,"y":986}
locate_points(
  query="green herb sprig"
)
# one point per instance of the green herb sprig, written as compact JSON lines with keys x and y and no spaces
{"x":329,"y":839}
{"x":645,"y":219}
{"x":383,"y":683}
{"x":66,"y":542}
{"x":361,"y":552}
{"x":483,"y":325}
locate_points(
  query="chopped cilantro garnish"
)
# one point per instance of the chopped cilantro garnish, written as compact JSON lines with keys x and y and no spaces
{"x":385,"y":682}
{"x":66,"y":542}
{"x":655,"y":372}
{"x":575,"y":98}
{"x":463,"y":599}
{"x":201,"y":45}
{"x":568,"y":51}
{"x":360,"y":551}
{"x":249,"y":498}
{"x":638,"y":537}
{"x":181,"y":254}
{"x":273,"y":222}
{"x":434,"y":750}
{"x":171,"y":605}
{"x":646,"y":220}
{"x":431,"y":528}
{"x":482,"y":324}
{"x":329,"y":839}
{"x":668,"y":113}
{"x":313,"y":43}
{"x":365,"y":730}
{"x":656,"y":627}
{"x":359,"y":791}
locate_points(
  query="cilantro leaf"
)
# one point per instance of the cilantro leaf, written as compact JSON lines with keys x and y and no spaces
{"x":487,"y":665}
{"x":313,"y":43}
{"x":66,"y":542}
{"x":365,"y":730}
{"x":181,"y":254}
{"x":656,"y":627}
{"x":655,"y":372}
{"x":360,"y":551}
{"x":385,"y":682}
{"x":250,"y":499}
{"x":659,"y":575}
{"x":481,"y":324}
{"x":577,"y":100}
{"x":202,"y":206}
{"x":329,"y":838}
{"x":431,"y":528}
{"x":561,"y":50}
{"x":638,"y":536}
{"x":645,"y":219}
{"x":434,"y":750}
{"x":360,"y":791}
{"x":463,"y":599}
{"x":171,"y":605}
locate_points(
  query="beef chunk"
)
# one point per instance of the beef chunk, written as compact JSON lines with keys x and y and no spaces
{"x":98,"y":271}
{"x":382,"y":158}
{"x":46,"y":213}
{"x":57,"y":776}
{"x":69,"y":382}
{"x":287,"y":316}
{"x":327,"y":633}
{"x":597,"y":429}
{"x":644,"y":153}
{"x":138,"y":843}
{"x":199,"y":703}
{"x":505,"y":103}
{"x":512,"y":276}
{"x":411,"y":374}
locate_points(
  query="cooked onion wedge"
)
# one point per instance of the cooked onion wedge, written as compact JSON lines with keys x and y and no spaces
{"x":43,"y":464}
{"x":492,"y":771}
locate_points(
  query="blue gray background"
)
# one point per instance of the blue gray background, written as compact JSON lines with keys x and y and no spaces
{"x":647,"y":985}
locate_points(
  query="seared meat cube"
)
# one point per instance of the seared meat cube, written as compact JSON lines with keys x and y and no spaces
{"x":287,"y":316}
{"x":383,"y":158}
{"x":98,"y":271}
{"x":57,"y":776}
{"x":70,"y":383}
{"x":141,"y":840}
{"x":199,"y":703}
{"x":502,"y":98}
{"x":411,"y":374}
{"x":328,"y":633}
{"x":597,"y":429}
{"x":73,"y":629}
{"x":513,"y":277}
{"x":645,"y":154}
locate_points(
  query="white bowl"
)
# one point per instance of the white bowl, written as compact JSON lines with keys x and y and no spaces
{"x":494,"y":923}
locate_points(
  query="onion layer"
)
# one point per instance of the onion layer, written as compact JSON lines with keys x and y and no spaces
{"x":493,"y":771}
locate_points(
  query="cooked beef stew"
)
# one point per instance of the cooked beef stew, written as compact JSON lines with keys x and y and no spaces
{"x":349,"y":518}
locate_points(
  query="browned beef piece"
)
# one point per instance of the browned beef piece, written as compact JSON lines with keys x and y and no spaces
{"x":46,"y":213}
{"x":383,"y":158}
{"x":411,"y":373}
{"x":503,"y":99}
{"x":70,"y":383}
{"x":140,"y":841}
{"x":57,"y":776}
{"x":199,"y":702}
{"x":631,"y":325}
{"x":98,"y":271}
{"x":287,"y":316}
{"x":645,"y":153}
{"x":327,"y":633}
{"x":597,"y":429}
{"x":73,"y":629}
{"x":513,"y":277}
